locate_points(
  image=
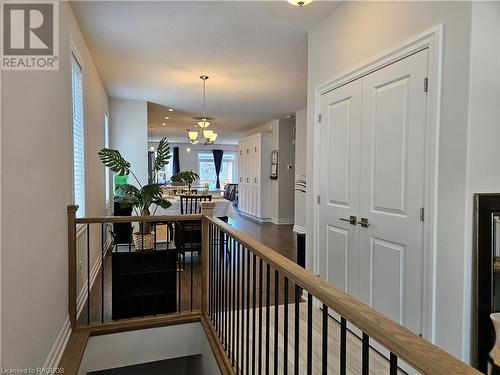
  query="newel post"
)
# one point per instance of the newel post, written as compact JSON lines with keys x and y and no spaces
{"x":72,"y":264}
{"x":207,"y":210}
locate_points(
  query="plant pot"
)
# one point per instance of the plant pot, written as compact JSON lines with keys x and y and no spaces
{"x":148,"y":240}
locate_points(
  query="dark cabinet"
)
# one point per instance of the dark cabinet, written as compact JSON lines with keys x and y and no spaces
{"x":143,"y":282}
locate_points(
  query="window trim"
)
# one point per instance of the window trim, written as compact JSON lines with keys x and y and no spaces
{"x":74,"y":53}
{"x":226,"y":153}
{"x":108,"y":180}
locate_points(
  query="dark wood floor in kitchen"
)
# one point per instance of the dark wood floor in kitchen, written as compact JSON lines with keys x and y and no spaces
{"x":278,"y":237}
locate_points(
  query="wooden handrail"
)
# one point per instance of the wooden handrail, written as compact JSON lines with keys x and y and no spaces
{"x":126,"y":219}
{"x":417,"y":352}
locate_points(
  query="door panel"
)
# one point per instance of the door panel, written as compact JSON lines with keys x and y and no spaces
{"x":389,"y":144}
{"x":387,"y":270}
{"x":338,"y":153}
{"x":339,"y":186}
{"x":392,"y":189}
{"x":338,"y":257}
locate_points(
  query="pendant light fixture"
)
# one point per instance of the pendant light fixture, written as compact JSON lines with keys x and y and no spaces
{"x":208,"y":137}
{"x":299,"y":3}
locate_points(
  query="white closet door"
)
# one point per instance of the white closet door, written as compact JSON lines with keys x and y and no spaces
{"x":392,"y":189}
{"x":339,"y":186}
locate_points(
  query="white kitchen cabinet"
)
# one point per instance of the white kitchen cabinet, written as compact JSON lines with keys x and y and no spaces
{"x":254,"y":197}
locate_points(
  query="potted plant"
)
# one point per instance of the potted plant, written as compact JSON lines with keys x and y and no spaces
{"x":186,"y":177}
{"x":141,"y":198}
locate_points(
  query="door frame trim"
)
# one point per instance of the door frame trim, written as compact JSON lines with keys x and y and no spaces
{"x":432,"y":40}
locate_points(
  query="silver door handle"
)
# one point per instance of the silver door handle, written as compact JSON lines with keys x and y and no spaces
{"x":364,"y":222}
{"x":352,"y":219}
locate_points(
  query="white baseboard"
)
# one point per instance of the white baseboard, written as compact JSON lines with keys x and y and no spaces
{"x":81,"y":300}
{"x":255,"y":218}
{"x":59,"y":346}
{"x":299,"y":229}
{"x":282,"y":221}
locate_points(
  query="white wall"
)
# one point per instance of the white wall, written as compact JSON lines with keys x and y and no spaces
{"x":353,"y":34}
{"x":286,"y":172}
{"x":36,"y":187}
{"x":129,"y":134}
{"x":483,"y":151}
{"x":300,"y":167}
{"x":148,"y":345}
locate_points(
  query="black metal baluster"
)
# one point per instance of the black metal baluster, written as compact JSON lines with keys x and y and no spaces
{"x":233,"y":334}
{"x":254,"y":300}
{"x":285,"y":328}
{"x":103,"y":245}
{"x":230,"y":300}
{"x":238,"y":311}
{"x":179,"y":270}
{"x":268,"y":287}
{"x":309,"y":332}
{"x":365,"y":362}
{"x":324,"y":355}
{"x":219,"y":282}
{"x":297,"y":332}
{"x":155,"y":280}
{"x":211,"y":275}
{"x":394,"y":364}
{"x":221,"y":263}
{"x":343,"y":343}
{"x":88,"y":274}
{"x":191,"y":269}
{"x":247,"y":362}
{"x":260,"y":318}
{"x":223,"y":241}
{"x":276,"y":325}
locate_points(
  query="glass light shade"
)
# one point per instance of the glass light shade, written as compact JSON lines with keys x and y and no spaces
{"x":213,"y":137}
{"x":203,"y":123}
{"x":299,"y":3}
{"x":193,"y":136}
{"x":208,"y":133}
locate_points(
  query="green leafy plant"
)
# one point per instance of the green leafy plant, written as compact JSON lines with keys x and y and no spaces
{"x":140,"y":198}
{"x":186,"y":177}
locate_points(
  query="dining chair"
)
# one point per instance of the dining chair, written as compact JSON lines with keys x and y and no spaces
{"x":190,"y":204}
{"x":188,"y":233}
{"x":230,"y":192}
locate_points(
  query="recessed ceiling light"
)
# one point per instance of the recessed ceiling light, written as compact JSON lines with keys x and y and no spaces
{"x":164,"y":124}
{"x":170,"y":109}
{"x":167,"y":118}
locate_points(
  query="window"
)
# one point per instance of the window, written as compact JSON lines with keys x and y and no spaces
{"x":206,"y":168}
{"x":107,"y":171}
{"x":165,"y":173}
{"x":78,"y":136}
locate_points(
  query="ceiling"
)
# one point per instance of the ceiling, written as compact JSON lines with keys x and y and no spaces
{"x":254,"y":52}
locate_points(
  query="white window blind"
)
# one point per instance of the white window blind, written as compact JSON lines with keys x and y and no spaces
{"x":78,"y":137}
{"x":107,"y":172}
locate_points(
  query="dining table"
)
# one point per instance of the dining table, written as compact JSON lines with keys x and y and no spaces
{"x":222,"y":207}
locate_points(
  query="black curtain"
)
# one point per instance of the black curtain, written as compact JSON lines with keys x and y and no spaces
{"x":218,"y":163}
{"x":176,"y":168}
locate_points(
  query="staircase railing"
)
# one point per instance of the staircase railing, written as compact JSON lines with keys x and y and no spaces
{"x":262,"y":312}
{"x":272,"y":316}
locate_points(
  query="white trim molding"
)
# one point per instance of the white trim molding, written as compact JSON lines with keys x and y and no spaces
{"x":282,"y":221}
{"x":432,"y":40}
{"x":59,"y":346}
{"x":299,"y":229}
